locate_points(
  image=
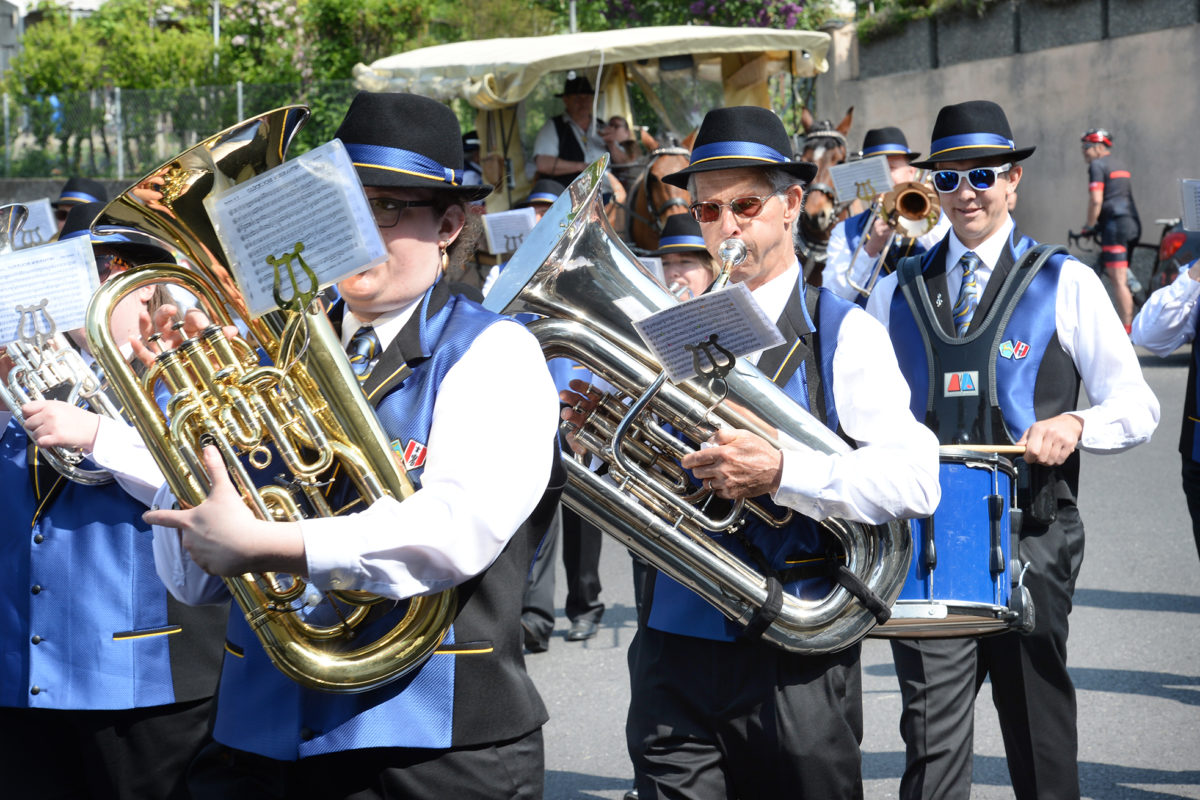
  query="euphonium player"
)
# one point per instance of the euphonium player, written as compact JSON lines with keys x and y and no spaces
{"x":714,"y":712}
{"x":466,"y":397}
{"x":107,"y":682}
{"x":851,"y":235}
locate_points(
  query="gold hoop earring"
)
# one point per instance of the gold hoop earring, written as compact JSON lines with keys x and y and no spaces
{"x":443,"y":247}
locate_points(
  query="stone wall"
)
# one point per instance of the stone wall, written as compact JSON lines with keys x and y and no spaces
{"x":1140,"y":86}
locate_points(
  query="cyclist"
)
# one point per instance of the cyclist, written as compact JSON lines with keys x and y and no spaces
{"x":1112,"y":215}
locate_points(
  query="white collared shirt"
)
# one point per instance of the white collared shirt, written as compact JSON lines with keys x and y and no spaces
{"x":1124,"y":411}
{"x":839,"y":272}
{"x":1168,"y":319}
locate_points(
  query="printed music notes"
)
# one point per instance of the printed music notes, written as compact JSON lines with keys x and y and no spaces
{"x":1189,"y":190}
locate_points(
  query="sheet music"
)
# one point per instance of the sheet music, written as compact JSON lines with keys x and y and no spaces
{"x":314,"y":202}
{"x":1189,"y":189}
{"x":862,"y":179}
{"x":40,"y":225}
{"x":739,"y":323}
{"x":61,"y":273}
{"x":506,"y":230}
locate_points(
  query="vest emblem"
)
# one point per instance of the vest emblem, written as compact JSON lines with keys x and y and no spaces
{"x":1014,"y":350}
{"x":414,"y":453}
{"x":961,"y":383}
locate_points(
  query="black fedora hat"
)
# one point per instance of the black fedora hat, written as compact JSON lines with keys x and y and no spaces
{"x":80,"y":190}
{"x":970,"y":130}
{"x":889,"y":141}
{"x":140,"y":251}
{"x":405,"y":140}
{"x":680,"y":234}
{"x":544,"y":191}
{"x":741,"y":136}
{"x":576,"y":84}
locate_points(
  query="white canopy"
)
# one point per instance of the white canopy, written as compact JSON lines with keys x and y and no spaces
{"x":494,"y":73}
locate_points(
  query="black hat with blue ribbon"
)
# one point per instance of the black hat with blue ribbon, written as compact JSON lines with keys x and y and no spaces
{"x":888,"y":141}
{"x":741,"y":136}
{"x":405,"y":140}
{"x":972,"y":130}
{"x":544,"y":191}
{"x":680,"y":234}
{"x":80,"y":190}
{"x":130,"y":244}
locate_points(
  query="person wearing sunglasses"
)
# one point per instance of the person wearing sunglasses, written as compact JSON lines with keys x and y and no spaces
{"x":1112,"y":216}
{"x":984,"y":304}
{"x":839,"y":274}
{"x":714,"y":711}
{"x":77,"y":191}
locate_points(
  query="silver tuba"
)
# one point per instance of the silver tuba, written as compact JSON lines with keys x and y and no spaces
{"x":587,"y":285}
{"x":46,"y":366}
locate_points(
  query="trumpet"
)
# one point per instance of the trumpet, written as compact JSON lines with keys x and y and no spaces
{"x":911,"y":210}
{"x":47,"y":367}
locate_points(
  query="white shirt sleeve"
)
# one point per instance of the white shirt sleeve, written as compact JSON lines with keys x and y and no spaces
{"x":1124,"y":411}
{"x":835,"y":276}
{"x":546,"y":143}
{"x":1168,"y":319}
{"x":894,"y":471}
{"x":185,"y":581}
{"x":490,"y":451}
{"x":120,"y":450}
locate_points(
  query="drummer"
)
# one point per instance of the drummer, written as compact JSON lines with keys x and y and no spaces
{"x":1036,"y":339}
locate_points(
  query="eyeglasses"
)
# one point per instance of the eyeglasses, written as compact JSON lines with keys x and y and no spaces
{"x":746,"y":207}
{"x":980,"y":178}
{"x":108,"y":263}
{"x":387,"y":210}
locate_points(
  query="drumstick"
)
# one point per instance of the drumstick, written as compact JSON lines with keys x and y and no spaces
{"x":1013,"y":449}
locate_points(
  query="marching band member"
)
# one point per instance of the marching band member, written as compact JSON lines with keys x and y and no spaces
{"x":467,"y":722}
{"x":103,"y":670}
{"x":715,"y":712}
{"x":839,"y":273}
{"x":688,"y":267}
{"x":1061,"y":329}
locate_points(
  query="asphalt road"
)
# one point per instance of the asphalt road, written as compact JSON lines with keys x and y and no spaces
{"x":1134,"y":649}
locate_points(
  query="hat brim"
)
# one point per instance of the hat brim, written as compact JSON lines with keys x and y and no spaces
{"x":803,"y":170}
{"x":678,"y":249}
{"x":374,"y":176}
{"x":972,"y":153}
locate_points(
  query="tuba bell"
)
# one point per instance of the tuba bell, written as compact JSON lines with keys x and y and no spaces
{"x":282,"y":429}
{"x":46,"y":366}
{"x":588,"y":287}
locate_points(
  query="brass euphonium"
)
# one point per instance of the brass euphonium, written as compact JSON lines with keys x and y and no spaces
{"x":46,"y":366}
{"x":574,"y":271}
{"x":306,"y":411}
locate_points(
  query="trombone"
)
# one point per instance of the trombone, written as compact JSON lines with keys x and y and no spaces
{"x":910,"y":209}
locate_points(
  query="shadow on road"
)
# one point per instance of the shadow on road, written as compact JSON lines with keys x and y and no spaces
{"x":562,"y":785}
{"x":1137,"y":601}
{"x":1165,"y":685}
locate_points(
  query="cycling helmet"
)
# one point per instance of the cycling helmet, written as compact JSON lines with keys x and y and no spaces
{"x":1098,"y":136}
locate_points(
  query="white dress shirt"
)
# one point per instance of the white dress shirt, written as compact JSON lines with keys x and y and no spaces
{"x":547,"y":144}
{"x":894,"y":471}
{"x":1124,"y":411}
{"x":490,"y":451}
{"x":839,"y":271}
{"x":1168,"y":319}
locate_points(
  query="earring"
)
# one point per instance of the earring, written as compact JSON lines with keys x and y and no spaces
{"x":442,"y":247}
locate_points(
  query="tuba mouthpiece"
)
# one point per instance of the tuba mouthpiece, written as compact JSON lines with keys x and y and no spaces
{"x":732,"y":251}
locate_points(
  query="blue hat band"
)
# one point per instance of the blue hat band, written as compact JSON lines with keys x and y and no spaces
{"x":78,"y":197}
{"x":96,"y":238}
{"x":541,"y":197}
{"x":394,"y":159}
{"x":681,"y":242}
{"x":744,"y":150}
{"x":967,"y":141}
{"x":886,"y":150}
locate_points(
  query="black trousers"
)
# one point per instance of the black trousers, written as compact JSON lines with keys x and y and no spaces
{"x":1031,"y":689}
{"x":140,"y":753}
{"x":512,"y":770}
{"x":1191,"y":490}
{"x":580,"y":543}
{"x":714,"y":720}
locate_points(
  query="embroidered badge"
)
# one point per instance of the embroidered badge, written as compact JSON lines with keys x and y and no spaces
{"x":961,"y":383}
{"x":1014,"y":350}
{"x":414,"y":454}
{"x":938,"y":302}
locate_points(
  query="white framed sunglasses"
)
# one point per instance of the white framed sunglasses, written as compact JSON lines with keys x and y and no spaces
{"x":980,"y":178}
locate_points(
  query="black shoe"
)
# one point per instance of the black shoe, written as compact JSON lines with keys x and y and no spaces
{"x":631,"y":795}
{"x":533,"y":642}
{"x":581,"y":629}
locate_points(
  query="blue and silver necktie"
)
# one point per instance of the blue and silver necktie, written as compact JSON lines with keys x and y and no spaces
{"x":968,"y":294}
{"x":363,"y":351}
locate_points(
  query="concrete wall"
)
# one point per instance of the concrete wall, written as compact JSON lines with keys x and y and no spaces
{"x":1140,"y":87}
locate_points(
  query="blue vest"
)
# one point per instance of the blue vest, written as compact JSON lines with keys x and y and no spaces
{"x":677,"y":609}
{"x":856,"y":227}
{"x":85,"y":623}
{"x":262,"y":711}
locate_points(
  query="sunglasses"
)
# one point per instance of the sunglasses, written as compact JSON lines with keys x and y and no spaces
{"x":108,"y":263}
{"x":980,"y":178}
{"x":745,"y":207}
{"x":387,"y":210}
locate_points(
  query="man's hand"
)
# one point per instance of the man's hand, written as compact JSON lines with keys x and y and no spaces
{"x":223,"y":536}
{"x":741,"y":465}
{"x":878,"y":237}
{"x":580,"y":403}
{"x":53,"y":423}
{"x":1051,"y":441}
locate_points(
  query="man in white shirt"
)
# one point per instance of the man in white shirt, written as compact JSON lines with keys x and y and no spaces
{"x":1018,"y":331}
{"x":566,"y":144}
{"x":715,"y":712}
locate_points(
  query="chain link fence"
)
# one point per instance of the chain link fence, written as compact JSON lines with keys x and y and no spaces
{"x":123,"y":133}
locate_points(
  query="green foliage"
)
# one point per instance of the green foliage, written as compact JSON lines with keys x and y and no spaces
{"x":609,"y":14}
{"x":891,"y":16}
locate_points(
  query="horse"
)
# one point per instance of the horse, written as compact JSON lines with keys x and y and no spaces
{"x":824,"y":144}
{"x":651,"y":200}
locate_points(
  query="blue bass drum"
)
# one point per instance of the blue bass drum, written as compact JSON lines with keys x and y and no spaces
{"x":963,"y":579}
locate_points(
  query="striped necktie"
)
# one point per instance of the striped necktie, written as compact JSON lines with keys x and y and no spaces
{"x":968,"y":294}
{"x":363,"y":351}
